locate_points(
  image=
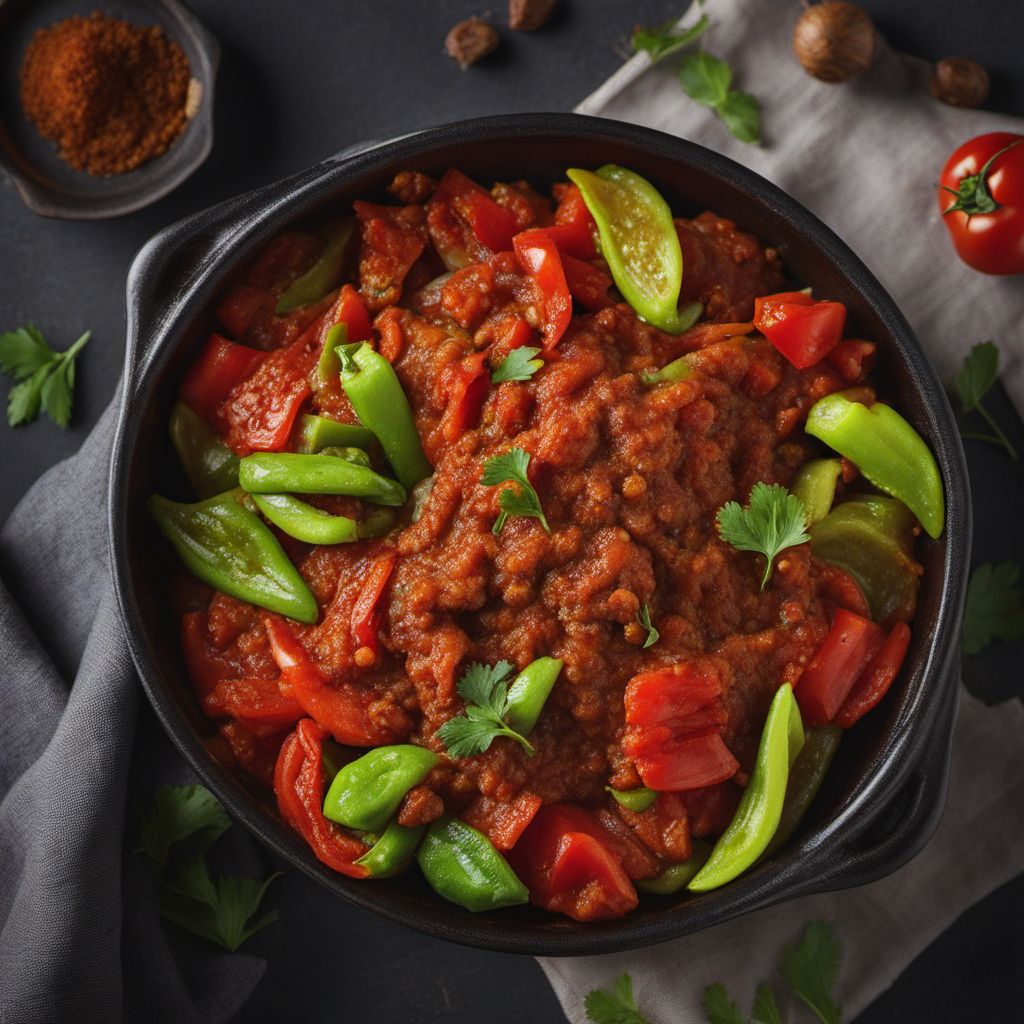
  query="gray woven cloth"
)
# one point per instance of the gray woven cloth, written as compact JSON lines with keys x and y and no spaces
{"x":81,"y":940}
{"x":865,"y":158}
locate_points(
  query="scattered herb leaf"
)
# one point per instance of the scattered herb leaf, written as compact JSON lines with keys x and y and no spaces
{"x":995,"y":606}
{"x":718,"y":1007}
{"x":810,"y":967}
{"x":766,"y":1009}
{"x":979,"y":373}
{"x":708,"y":80}
{"x":512,"y":468}
{"x":774,"y":520}
{"x":177,"y":813}
{"x":47,"y":378}
{"x":485,"y":691}
{"x":519,"y":364}
{"x":615,"y":1005}
{"x":662,"y":40}
{"x":644,"y":618}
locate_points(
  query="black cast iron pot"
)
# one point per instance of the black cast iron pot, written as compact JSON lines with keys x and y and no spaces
{"x":885,"y":792}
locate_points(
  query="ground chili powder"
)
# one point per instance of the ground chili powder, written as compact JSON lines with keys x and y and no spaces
{"x":112,"y":95}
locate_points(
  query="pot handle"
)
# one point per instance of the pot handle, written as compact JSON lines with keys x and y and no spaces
{"x":172,"y":261}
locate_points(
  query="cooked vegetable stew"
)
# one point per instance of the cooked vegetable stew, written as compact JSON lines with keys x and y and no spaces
{"x":547,"y":542}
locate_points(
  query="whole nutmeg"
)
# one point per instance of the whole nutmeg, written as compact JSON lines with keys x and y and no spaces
{"x":834,"y":41}
{"x":960,"y":82}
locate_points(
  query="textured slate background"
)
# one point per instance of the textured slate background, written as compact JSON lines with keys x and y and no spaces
{"x":301,"y":81}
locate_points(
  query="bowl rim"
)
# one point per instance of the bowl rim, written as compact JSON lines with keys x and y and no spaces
{"x":842,"y":852}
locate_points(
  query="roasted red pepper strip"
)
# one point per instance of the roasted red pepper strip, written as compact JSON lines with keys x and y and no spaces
{"x":803,"y":330}
{"x":875,"y":680}
{"x":574,"y":227}
{"x":588,"y":284}
{"x":221,"y":366}
{"x":830,"y":675}
{"x":258,"y":704}
{"x":365,"y":613}
{"x":350,"y":309}
{"x":469,"y":386}
{"x":491,"y":223}
{"x":341,"y":708}
{"x":539,"y":258}
{"x":299,"y":787}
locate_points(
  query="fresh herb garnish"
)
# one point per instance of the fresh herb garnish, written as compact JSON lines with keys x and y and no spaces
{"x":512,"y":468}
{"x":995,"y":606}
{"x":47,"y":377}
{"x":519,"y":364}
{"x":662,"y":40}
{"x":810,"y":967}
{"x":484,"y":688}
{"x":644,"y":618}
{"x":979,"y":373}
{"x":615,"y":1005}
{"x":178,"y":826}
{"x":774,"y":520}
{"x":708,"y":80}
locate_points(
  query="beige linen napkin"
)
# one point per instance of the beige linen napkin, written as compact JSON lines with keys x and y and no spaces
{"x":864,"y":157}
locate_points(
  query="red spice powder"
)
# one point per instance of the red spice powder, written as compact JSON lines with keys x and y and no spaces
{"x":112,"y":95}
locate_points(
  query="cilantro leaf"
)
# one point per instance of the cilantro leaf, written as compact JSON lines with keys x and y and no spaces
{"x":644,"y":618}
{"x":661,"y":40}
{"x":708,"y":80}
{"x":219,"y":910}
{"x":774,"y":520}
{"x":485,"y":691}
{"x":511,"y":467}
{"x":810,"y":967}
{"x":718,"y":1007}
{"x":995,"y":606}
{"x":976,"y":377}
{"x":615,"y":1005}
{"x":47,"y":377}
{"x":519,"y":364}
{"x":177,"y":813}
{"x":766,"y":1009}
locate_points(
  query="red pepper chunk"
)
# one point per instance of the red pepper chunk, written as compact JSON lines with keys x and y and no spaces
{"x":502,"y":823}
{"x":299,"y":788}
{"x":470,"y":384}
{"x":466,"y":224}
{"x":365,"y":613}
{"x":258,"y":704}
{"x":830,"y":675}
{"x":539,"y":258}
{"x":350,"y":309}
{"x":569,"y":868}
{"x":874,"y":682}
{"x":803,"y":330}
{"x":206,"y":666}
{"x":340,"y":707}
{"x":243,"y":307}
{"x":221,"y":366}
{"x":574,"y":228}
{"x":588,"y":284}
{"x":673,"y":728}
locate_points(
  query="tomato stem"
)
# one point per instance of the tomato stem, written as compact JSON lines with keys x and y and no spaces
{"x":972,"y":193}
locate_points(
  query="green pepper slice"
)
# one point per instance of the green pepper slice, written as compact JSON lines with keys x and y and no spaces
{"x":679,"y":369}
{"x":529,"y":692}
{"x":287,"y":473}
{"x":872,"y":538}
{"x":393,"y":851}
{"x":366,"y":793}
{"x":887,"y":450}
{"x":639,"y":241}
{"x":306,"y":522}
{"x":638,"y":799}
{"x":757,"y":817}
{"x":677,"y":876}
{"x":225,"y":545}
{"x":376,"y":394}
{"x":319,"y":432}
{"x":462,"y":865}
{"x":805,"y":780}
{"x":815,"y":486}
{"x":324,"y":275}
{"x":209,"y":464}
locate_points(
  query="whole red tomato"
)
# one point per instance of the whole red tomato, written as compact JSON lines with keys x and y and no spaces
{"x":981,"y":196}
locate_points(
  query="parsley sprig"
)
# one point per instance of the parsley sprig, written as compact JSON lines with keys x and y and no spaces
{"x":708,"y":80}
{"x":972,"y":383}
{"x":511,"y":467}
{"x":663,"y":40}
{"x":774,"y":520}
{"x":47,"y":378}
{"x":178,"y":826}
{"x":995,"y":606}
{"x":519,"y":364}
{"x":484,"y":688}
{"x":615,"y":1005}
{"x":644,"y":618}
